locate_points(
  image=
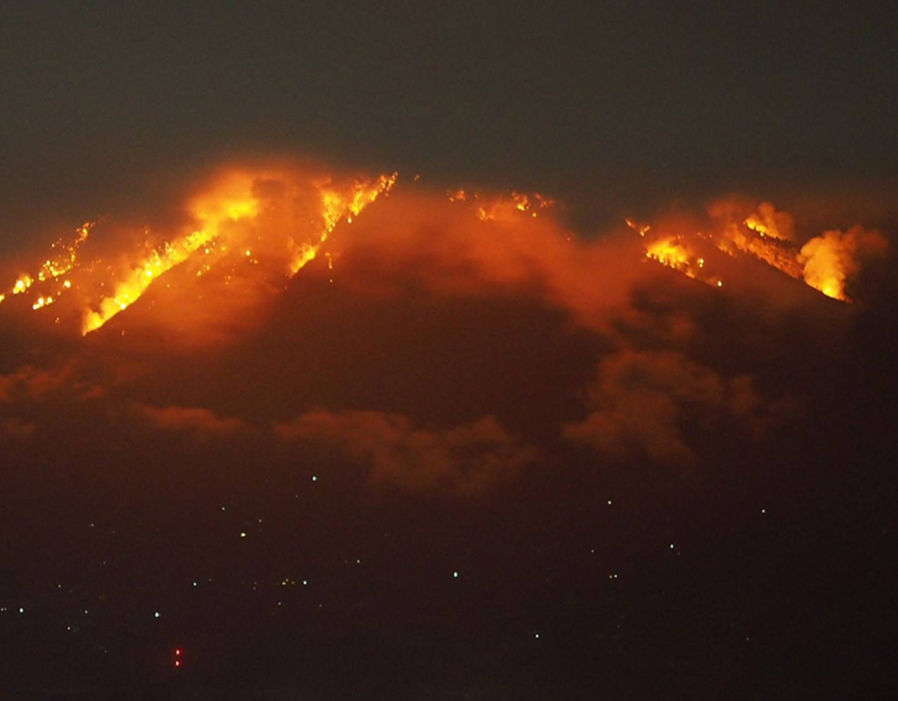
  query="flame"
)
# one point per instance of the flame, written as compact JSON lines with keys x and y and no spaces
{"x":230,"y":201}
{"x":824,"y":262}
{"x":764,"y":234}
{"x":338,"y":205}
{"x":130,"y":289}
{"x":678,"y":251}
{"x":503,"y":207}
{"x":767,"y":221}
{"x":22,"y":284}
{"x":641,"y":229}
{"x":63,"y":258}
{"x":227,"y":226}
{"x":279,"y":220}
{"x":830,"y":259}
{"x":671,"y":253}
{"x":235,"y":200}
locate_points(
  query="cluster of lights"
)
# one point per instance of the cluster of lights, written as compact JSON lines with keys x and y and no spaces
{"x":53,"y":268}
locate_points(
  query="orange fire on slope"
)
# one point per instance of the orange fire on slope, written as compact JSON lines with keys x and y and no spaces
{"x":825,"y":262}
{"x":227,"y":227}
{"x":830,"y":259}
{"x":63,"y":258}
{"x":337,"y":206}
{"x":677,"y":251}
{"x":236,"y":199}
{"x":502,"y":208}
{"x":251,"y":229}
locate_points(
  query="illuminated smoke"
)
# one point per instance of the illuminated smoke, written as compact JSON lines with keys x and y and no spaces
{"x":767,"y":221}
{"x":236,"y":199}
{"x":834,"y":256}
{"x":825,"y":262}
{"x":684,"y":252}
{"x":340,"y":204}
{"x":250,"y":229}
{"x":764,"y":233}
{"x":224,"y":233}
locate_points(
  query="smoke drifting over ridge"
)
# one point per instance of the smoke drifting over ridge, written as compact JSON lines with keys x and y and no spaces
{"x":292,"y":304}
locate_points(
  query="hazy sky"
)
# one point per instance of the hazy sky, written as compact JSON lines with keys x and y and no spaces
{"x":626,"y":101}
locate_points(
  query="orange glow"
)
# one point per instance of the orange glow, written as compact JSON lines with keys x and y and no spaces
{"x":248,"y":230}
{"x":641,"y":229}
{"x":767,"y":221}
{"x":129,"y":290}
{"x":63,"y":258}
{"x":830,"y":259}
{"x":824,"y":262}
{"x":338,"y":205}
{"x":670,"y":253}
{"x":503,"y":207}
{"x":276,"y":218}
{"x":220,"y":211}
{"x":683,"y":252}
{"x":22,"y":284}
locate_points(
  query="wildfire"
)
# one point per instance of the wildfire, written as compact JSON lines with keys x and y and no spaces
{"x":677,"y":251}
{"x":337,"y":206}
{"x":503,"y":207}
{"x":824,"y":262}
{"x":830,"y":259}
{"x":672,"y":254}
{"x":250,"y":230}
{"x":228,"y":224}
{"x":159,"y":261}
{"x":219,"y":212}
{"x":63,"y":258}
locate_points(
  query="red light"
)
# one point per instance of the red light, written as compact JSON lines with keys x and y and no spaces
{"x":177,"y":663}
{"x":177,"y":652}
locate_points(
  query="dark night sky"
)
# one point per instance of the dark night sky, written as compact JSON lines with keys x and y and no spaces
{"x":494,"y":457}
{"x":620,"y":101}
